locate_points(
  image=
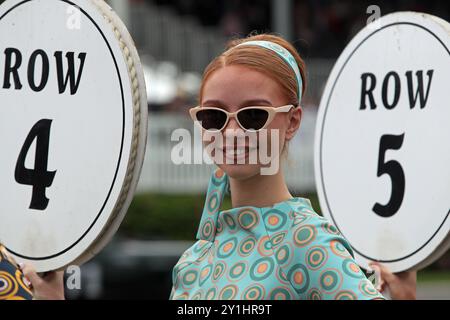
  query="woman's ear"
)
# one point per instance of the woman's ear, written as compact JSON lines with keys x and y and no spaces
{"x":295,"y":119}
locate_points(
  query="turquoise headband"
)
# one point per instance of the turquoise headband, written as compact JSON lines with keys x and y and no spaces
{"x":283,"y":53}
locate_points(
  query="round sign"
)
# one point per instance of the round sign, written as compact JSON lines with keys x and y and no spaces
{"x":382,"y":142}
{"x":73,"y":128}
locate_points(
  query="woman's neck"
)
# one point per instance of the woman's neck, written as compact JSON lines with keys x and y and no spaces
{"x":259,"y":191}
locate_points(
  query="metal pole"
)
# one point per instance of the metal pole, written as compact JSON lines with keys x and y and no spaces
{"x":282,"y":18}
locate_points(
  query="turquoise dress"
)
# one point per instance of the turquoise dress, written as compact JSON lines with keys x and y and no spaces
{"x":285,"y":251}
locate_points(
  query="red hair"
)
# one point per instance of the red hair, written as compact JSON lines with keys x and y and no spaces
{"x":264,"y":61}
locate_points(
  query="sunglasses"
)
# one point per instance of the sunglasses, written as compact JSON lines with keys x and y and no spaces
{"x":248,"y":118}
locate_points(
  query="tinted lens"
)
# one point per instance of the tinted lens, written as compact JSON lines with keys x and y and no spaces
{"x":253,"y":119}
{"x":212,"y":119}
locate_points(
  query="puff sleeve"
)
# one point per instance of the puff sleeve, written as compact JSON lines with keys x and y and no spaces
{"x":322,"y":265}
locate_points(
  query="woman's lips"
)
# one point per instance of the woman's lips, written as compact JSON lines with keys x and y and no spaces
{"x":237,"y":153}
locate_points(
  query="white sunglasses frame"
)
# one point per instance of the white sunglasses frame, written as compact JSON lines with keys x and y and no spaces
{"x":272,"y":111}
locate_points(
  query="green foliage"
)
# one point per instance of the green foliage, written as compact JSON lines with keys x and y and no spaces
{"x":158,"y":216}
{"x":430,"y":275}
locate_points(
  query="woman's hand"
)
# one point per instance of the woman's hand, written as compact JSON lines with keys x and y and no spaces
{"x":401,"y":286}
{"x":48,"y":287}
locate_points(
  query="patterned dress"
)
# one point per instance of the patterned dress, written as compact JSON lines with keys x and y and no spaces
{"x":285,"y":251}
{"x":12,"y":285}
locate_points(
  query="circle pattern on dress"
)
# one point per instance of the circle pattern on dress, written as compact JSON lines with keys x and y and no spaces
{"x":280,"y":293}
{"x":346,"y":295}
{"x":314,"y":294}
{"x":299,"y":277}
{"x":190,"y":277}
{"x":183,"y":296}
{"x":211,"y":293}
{"x":367,"y":289}
{"x":330,"y":280}
{"x":231,"y":223}
{"x":228,"y":292}
{"x":274,"y":220}
{"x":278,"y":238}
{"x":338,"y":249}
{"x":352,"y":269}
{"x":219,"y":227}
{"x":247,"y":245}
{"x":219,"y":177}
{"x":304,"y":235}
{"x":219,"y":270}
{"x":227,"y":248}
{"x":238,"y":270}
{"x":207,"y":228}
{"x":284,"y":254}
{"x":198,"y":295}
{"x":281,"y":276}
{"x":248,"y":219}
{"x":213,"y":202}
{"x":316,"y":257}
{"x":329,"y":228}
{"x":199,"y":246}
{"x":205,"y":274}
{"x":254,"y":292}
{"x":265,"y":246}
{"x":262,"y":268}
{"x":300,"y":218}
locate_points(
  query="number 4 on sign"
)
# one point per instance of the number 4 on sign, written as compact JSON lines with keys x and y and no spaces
{"x":38,"y":177}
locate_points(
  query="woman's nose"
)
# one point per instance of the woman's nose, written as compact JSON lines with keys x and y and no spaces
{"x":232,"y":125}
{"x":233,"y":131}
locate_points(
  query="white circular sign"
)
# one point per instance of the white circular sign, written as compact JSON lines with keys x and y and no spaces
{"x":73,"y":123}
{"x":382,"y":156}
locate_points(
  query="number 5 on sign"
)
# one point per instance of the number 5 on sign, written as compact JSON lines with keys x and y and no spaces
{"x":39,"y":178}
{"x":395,"y":171}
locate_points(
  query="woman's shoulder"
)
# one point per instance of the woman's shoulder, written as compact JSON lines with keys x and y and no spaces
{"x":318,"y":260}
{"x":308,"y":228}
{"x":302,"y":214}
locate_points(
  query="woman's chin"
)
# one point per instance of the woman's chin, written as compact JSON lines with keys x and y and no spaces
{"x":240,"y":171}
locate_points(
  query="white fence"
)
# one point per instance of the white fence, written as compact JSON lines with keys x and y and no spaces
{"x":161,"y":175}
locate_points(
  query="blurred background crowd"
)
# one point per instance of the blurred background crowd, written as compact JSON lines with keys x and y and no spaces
{"x":189,"y":33}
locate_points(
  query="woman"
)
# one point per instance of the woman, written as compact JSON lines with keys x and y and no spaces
{"x":270,"y":245}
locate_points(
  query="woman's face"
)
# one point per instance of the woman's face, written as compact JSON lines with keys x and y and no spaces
{"x":232,"y":88}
